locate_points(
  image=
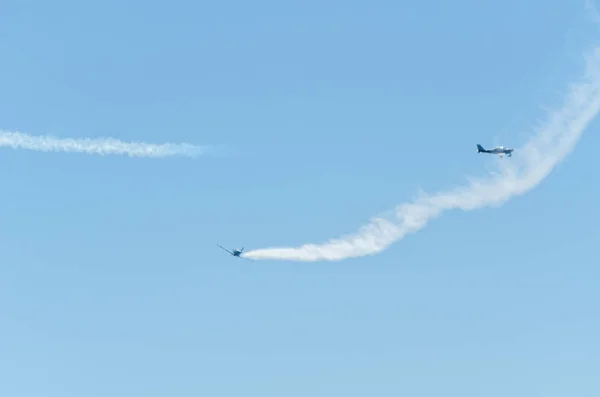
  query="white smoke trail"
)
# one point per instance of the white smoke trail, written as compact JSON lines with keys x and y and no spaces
{"x":101,"y":146}
{"x":521,"y":173}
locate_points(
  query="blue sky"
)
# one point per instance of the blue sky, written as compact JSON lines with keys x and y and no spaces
{"x":325,"y":113}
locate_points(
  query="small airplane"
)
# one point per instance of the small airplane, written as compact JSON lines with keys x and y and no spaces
{"x":499,"y":150}
{"x":235,"y":252}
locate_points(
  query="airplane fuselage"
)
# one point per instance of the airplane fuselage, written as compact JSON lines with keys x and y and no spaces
{"x":498,"y":150}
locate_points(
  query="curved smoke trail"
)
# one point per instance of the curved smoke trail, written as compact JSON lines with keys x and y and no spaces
{"x":527,"y":168}
{"x":101,"y":146}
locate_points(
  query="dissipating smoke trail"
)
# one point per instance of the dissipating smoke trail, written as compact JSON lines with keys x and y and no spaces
{"x":99,"y":146}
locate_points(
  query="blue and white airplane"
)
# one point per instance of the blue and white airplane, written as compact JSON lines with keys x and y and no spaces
{"x":235,"y":252}
{"x":499,"y":150}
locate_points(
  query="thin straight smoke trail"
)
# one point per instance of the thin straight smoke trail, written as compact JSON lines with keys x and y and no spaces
{"x":101,"y":146}
{"x":528,"y":167}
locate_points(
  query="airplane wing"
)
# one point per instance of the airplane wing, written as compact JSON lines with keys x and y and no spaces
{"x":225,"y":249}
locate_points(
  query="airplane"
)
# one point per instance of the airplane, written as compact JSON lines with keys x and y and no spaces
{"x":499,"y":150}
{"x":235,"y":252}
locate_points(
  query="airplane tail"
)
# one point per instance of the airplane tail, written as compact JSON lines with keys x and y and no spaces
{"x":242,"y":249}
{"x":480,"y":149}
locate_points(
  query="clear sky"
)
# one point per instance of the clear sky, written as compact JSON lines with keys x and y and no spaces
{"x":325,"y":113}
